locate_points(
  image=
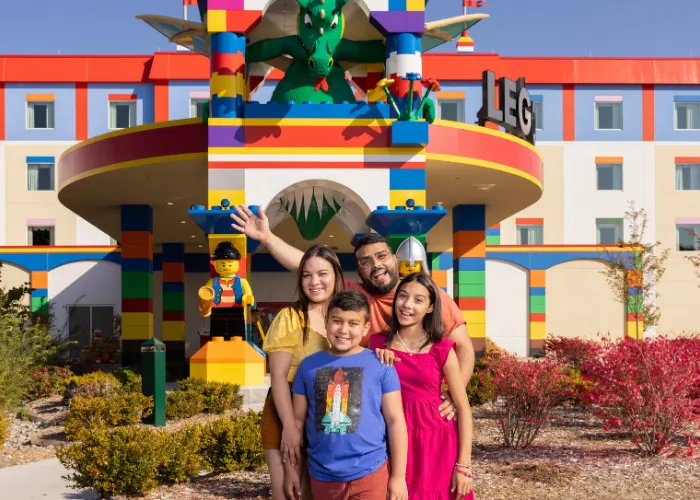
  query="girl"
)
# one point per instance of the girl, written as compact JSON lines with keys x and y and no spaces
{"x":296,"y":332}
{"x":439,"y":451}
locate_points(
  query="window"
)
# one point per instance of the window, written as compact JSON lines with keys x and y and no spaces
{"x":528,"y":234}
{"x":40,"y":114}
{"x":608,"y":231}
{"x":539,"y":115}
{"x":687,"y":237}
{"x":40,"y":236}
{"x":687,"y":116}
{"x":197,"y":107}
{"x":608,"y":116}
{"x":451,"y":109}
{"x":122,"y":114}
{"x":84,"y":321}
{"x":40,"y":176}
{"x":687,"y":176}
{"x":609,"y":176}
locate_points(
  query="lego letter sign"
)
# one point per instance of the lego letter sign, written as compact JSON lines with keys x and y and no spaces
{"x":515,"y":113}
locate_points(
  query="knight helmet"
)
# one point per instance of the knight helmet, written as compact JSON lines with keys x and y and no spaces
{"x":412,"y":251}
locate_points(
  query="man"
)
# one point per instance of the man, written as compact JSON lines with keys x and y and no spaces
{"x":378,"y":270}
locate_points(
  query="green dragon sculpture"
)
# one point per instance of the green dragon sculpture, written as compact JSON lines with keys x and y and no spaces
{"x":315,"y":74}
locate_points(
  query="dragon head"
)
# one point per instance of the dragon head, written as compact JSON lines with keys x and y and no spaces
{"x":320,"y":26}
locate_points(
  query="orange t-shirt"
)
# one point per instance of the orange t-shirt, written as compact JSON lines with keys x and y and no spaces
{"x":380,"y":311}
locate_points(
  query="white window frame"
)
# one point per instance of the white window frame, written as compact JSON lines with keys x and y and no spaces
{"x":30,"y":235}
{"x":53,"y":176}
{"x":112,"y":242}
{"x":518,"y":227}
{"x":50,"y":119}
{"x":460,"y":108}
{"x":693,"y":227}
{"x":692,"y":166}
{"x":193,"y":105}
{"x":618,"y":227}
{"x":539,"y":116}
{"x":112,"y":108}
{"x":675,"y":116}
{"x":597,"y":120}
{"x":598,"y":166}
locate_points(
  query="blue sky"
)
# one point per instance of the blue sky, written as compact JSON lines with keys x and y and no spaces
{"x":535,"y":28}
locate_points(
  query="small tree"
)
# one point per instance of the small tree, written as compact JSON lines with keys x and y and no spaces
{"x":633,"y":275}
{"x":11,"y":300}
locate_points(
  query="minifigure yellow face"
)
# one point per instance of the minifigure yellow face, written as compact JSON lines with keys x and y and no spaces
{"x":405,"y":268}
{"x":227,"y":267}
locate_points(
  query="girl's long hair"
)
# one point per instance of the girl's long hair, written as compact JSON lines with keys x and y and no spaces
{"x":432,"y":321}
{"x":301,"y":306}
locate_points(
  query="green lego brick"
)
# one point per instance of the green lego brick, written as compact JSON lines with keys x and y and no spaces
{"x":40,"y":305}
{"x":174,"y":301}
{"x":469,"y":291}
{"x":537,"y":304}
{"x":137,"y":285}
{"x":493,"y":240}
{"x":396,"y":239}
{"x":469,"y":277}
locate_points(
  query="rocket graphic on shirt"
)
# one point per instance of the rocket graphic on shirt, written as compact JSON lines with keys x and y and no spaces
{"x":338,"y":399}
{"x":335,"y":420}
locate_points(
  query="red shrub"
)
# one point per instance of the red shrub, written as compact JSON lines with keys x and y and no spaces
{"x":49,"y":381}
{"x":644,"y":387}
{"x":527,"y":391}
{"x":573,"y":351}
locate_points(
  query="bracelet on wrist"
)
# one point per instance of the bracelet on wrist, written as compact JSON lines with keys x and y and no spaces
{"x":464,"y":466}
{"x":465,"y":473}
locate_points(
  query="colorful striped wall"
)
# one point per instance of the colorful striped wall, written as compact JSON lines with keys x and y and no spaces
{"x":40,"y":295}
{"x":407,"y":184}
{"x":469,"y":268}
{"x":137,"y":280}
{"x":440,"y":264}
{"x":174,"y":300}
{"x":493,"y":235}
{"x":538,"y":318}
{"x":635,"y":305}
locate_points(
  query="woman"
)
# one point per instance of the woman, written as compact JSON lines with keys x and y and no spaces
{"x":296,"y":332}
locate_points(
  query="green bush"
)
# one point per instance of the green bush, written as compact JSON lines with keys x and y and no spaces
{"x":92,"y":412}
{"x":218,"y":396}
{"x":130,"y":381}
{"x":121,"y":461}
{"x":481,"y":389}
{"x":183,"y":404}
{"x":181,"y":455}
{"x":96,"y":384}
{"x":233,"y":444}
{"x":4,"y":428}
{"x":578,"y":386}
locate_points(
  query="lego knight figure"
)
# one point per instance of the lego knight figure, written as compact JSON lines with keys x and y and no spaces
{"x":412,"y":257}
{"x":226,"y":297}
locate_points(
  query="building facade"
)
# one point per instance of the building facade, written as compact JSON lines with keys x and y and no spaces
{"x":610,"y":132}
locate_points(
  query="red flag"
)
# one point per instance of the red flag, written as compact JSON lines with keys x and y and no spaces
{"x":474,"y":3}
{"x":189,"y":2}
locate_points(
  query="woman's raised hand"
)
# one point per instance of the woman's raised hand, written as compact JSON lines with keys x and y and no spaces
{"x":253,"y":226}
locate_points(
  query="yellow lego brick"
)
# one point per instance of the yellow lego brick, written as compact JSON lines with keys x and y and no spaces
{"x":474,"y":317}
{"x":538,"y":330}
{"x":227,"y":85}
{"x":137,"y":332}
{"x":477,"y":330}
{"x":137,"y":318}
{"x":415,"y":5}
{"x":173,"y":330}
{"x":635,"y":330}
{"x":399,"y":197}
{"x":216,"y":21}
{"x":235,"y":196}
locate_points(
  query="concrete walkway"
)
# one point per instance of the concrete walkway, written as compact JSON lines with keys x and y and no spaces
{"x":39,"y":480}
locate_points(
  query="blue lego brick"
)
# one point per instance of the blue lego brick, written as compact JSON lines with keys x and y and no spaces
{"x":469,"y":218}
{"x":40,"y":292}
{"x":402,"y":221}
{"x":215,"y":221}
{"x":227,"y":43}
{"x":407,"y":43}
{"x":251,"y":246}
{"x":360,"y":110}
{"x":55,"y":260}
{"x":137,"y":265}
{"x":633,"y":292}
{"x":445,"y":261}
{"x":407,"y":178}
{"x":493,"y":232}
{"x":409,"y":133}
{"x":173,"y":287}
{"x":41,"y":159}
{"x":137,"y":218}
{"x":173,"y":252}
{"x":227,"y":107}
{"x":467,"y":264}
{"x":397,"y":5}
{"x":537,"y":291}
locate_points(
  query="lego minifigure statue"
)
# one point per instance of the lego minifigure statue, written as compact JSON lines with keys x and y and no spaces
{"x":412,"y":257}
{"x":226,"y":297}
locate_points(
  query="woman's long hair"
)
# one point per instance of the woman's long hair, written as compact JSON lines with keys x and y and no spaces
{"x":432,"y":321}
{"x":301,"y":306}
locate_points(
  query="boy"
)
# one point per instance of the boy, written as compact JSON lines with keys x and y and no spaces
{"x":350,"y":402}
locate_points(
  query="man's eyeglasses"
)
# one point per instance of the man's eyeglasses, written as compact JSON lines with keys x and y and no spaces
{"x":368,"y":261}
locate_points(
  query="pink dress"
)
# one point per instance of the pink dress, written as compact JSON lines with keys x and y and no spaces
{"x":433,"y":442}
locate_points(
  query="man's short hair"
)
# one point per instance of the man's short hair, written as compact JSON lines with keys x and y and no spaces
{"x":369,"y":239}
{"x":349,"y":300}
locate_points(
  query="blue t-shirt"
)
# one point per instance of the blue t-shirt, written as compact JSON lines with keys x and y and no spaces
{"x":345,"y":427}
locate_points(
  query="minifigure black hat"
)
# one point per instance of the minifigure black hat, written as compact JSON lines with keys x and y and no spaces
{"x":226,"y":251}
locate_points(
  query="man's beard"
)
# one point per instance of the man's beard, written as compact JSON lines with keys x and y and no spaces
{"x":384,"y":289}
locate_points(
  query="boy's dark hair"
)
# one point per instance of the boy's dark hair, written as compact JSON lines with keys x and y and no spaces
{"x":432,"y":322}
{"x":349,"y":300}
{"x":369,"y":239}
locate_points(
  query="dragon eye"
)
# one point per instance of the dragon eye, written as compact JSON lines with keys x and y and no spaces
{"x":334,"y":22}
{"x":307,"y":21}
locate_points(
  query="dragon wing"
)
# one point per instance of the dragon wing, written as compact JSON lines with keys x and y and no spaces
{"x":446,"y":30}
{"x":189,"y":34}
